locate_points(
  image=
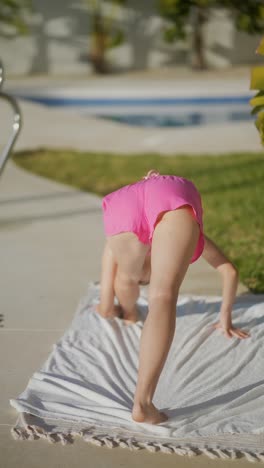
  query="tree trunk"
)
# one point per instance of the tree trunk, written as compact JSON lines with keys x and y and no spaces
{"x":198,"y":41}
{"x":97,"y":55}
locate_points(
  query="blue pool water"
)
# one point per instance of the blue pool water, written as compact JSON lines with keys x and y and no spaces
{"x":155,"y":111}
{"x":185,"y":119}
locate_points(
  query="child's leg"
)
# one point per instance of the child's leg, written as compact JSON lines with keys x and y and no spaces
{"x":108,"y":271}
{"x":129,"y":253}
{"x":174,"y":241}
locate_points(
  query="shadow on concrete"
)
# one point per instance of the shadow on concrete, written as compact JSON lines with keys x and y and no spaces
{"x":1,"y":320}
{"x":44,"y":196}
{"x":18,"y":220}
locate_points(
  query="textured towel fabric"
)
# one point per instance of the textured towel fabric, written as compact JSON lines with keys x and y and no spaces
{"x":211,"y":387}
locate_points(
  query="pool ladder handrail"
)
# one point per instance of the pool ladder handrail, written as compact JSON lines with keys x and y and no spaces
{"x":17,"y":121}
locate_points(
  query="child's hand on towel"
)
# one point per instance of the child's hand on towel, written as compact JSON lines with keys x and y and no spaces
{"x":229,"y":330}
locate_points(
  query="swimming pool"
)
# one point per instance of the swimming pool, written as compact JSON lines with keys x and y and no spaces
{"x":153,"y":111}
{"x":185,"y":118}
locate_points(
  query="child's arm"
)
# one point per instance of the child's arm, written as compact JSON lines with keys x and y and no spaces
{"x":106,"y":308}
{"x":216,"y":258}
{"x":146,"y":271}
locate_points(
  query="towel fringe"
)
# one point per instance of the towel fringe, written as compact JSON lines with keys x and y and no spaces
{"x":135,"y":445}
{"x":64,"y":438}
{"x":51,"y":437}
{"x":191,"y":452}
{"x":165,"y":448}
{"x":123,"y":443}
{"x":151,"y":447}
{"x":210,"y":453}
{"x":109,"y":442}
{"x":96,"y":440}
{"x":222,"y":453}
{"x":17,"y":434}
{"x":233,"y":454}
{"x":32,"y":432}
{"x":250,"y":456}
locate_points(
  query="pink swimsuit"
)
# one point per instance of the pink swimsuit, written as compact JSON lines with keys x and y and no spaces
{"x":135,"y":207}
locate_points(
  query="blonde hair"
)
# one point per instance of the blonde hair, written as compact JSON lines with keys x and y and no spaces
{"x":151,"y":173}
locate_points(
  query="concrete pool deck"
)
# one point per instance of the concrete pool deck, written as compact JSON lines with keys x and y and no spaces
{"x":51,"y":239}
{"x":59,"y":127}
{"x":54,"y":128}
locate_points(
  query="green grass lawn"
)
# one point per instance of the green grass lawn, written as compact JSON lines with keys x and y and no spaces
{"x":231,"y":186}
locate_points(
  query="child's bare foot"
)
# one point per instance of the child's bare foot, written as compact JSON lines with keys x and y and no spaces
{"x":148,"y":414}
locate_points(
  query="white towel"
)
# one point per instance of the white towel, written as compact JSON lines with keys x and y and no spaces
{"x":211,"y":387}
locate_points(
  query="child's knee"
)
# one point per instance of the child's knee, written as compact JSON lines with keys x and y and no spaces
{"x":163,"y":293}
{"x":126,"y":280}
